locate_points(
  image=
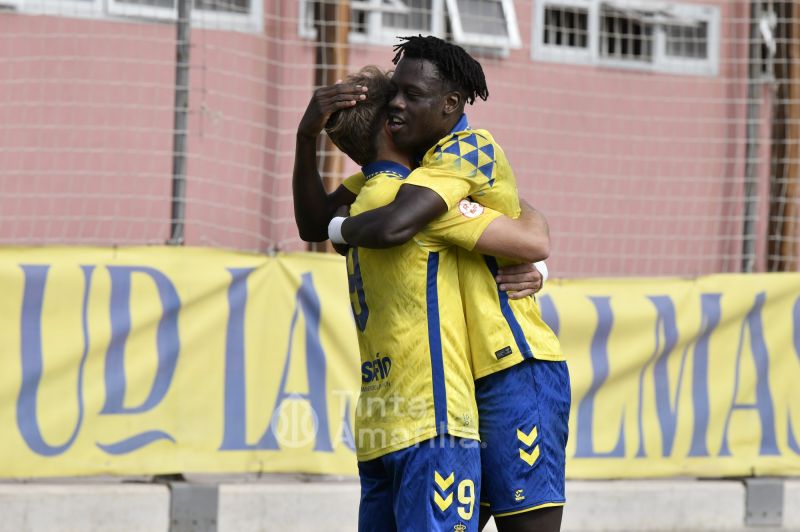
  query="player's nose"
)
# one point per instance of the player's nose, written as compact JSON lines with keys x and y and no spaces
{"x":397,"y":102}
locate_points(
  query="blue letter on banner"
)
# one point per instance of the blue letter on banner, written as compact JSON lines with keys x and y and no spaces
{"x":32,"y":365}
{"x":711,"y":311}
{"x":667,"y":412}
{"x":235,"y":421}
{"x":793,"y":445}
{"x":600,"y":370}
{"x":549,"y":313}
{"x":308,"y":304}
{"x":235,"y":425}
{"x":763,"y":403}
{"x":167,"y":346}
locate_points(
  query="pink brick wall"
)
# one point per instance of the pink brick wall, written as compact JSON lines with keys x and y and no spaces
{"x":639,"y":173}
{"x":72,"y":143}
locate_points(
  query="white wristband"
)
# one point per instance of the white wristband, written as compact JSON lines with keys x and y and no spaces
{"x":335,"y":230}
{"x":542,"y":267}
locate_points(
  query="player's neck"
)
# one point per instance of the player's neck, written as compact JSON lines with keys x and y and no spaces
{"x":387,"y":154}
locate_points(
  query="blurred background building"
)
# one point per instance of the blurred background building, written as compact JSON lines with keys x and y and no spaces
{"x":659,"y":137}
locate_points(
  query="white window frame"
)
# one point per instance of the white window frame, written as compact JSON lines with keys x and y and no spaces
{"x":305,"y":20}
{"x":478,"y":39}
{"x":94,"y":9}
{"x":566,"y":54}
{"x":208,"y":19}
{"x":661,"y":61}
{"x":631,"y":63}
{"x":124,"y":9}
{"x":688,"y":65}
{"x":251,"y":22}
{"x":376,"y":32}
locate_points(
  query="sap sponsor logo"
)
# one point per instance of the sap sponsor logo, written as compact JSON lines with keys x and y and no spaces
{"x":376,"y":370}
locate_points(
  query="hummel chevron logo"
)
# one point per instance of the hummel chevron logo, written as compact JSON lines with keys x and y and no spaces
{"x":443,"y":483}
{"x":529,"y":458}
{"x":527,"y":439}
{"x":443,"y":504}
{"x":443,"y":501}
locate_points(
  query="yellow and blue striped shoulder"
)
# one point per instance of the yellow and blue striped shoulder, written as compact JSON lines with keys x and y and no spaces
{"x":469,"y":151}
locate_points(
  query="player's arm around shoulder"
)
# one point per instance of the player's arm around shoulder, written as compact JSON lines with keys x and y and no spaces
{"x":396,"y":223}
{"x":427,"y":193}
{"x":526,"y":239}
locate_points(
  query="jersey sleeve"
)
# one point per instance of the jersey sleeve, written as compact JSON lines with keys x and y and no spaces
{"x":460,"y":226}
{"x":355,"y":182}
{"x":464,"y":165}
{"x":450,"y":187}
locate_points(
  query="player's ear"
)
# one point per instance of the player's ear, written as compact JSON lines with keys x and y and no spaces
{"x":453,"y":102}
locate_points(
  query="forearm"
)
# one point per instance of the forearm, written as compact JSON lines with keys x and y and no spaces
{"x":311,"y":209}
{"x":394,"y":224}
{"x":525,"y":239}
{"x":376,"y":229}
{"x":537,"y":227}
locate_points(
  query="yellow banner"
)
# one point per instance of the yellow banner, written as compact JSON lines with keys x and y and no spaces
{"x":155,"y":360}
{"x":162,"y":360}
{"x":681,"y":377}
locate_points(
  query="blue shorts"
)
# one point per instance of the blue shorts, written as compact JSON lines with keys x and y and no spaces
{"x":524,"y":416}
{"x":431,"y":486}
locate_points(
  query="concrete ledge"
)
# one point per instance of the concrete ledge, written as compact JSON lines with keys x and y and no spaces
{"x":297,"y":507}
{"x":655,"y":505}
{"x":84,"y":508}
{"x":791,"y":504}
{"x":646,"y":506}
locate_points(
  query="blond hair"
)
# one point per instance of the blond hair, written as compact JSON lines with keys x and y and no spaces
{"x":354,"y":130}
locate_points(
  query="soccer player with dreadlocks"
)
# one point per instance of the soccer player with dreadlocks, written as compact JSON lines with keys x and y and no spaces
{"x":416,"y":423}
{"x":522,"y":383}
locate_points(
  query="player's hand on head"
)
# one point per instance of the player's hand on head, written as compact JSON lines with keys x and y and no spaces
{"x":327,"y":100}
{"x":519,"y":280}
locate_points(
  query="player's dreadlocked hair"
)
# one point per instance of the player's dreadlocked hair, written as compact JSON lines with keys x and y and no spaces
{"x":455,"y":65}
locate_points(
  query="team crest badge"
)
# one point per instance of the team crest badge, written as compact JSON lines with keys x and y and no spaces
{"x":470,"y":209}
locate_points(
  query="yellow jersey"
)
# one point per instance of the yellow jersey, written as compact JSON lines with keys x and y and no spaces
{"x":502,"y":332}
{"x":416,"y":380}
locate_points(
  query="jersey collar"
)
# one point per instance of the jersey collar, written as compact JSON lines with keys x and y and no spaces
{"x":461,"y":125}
{"x":390,"y":167}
